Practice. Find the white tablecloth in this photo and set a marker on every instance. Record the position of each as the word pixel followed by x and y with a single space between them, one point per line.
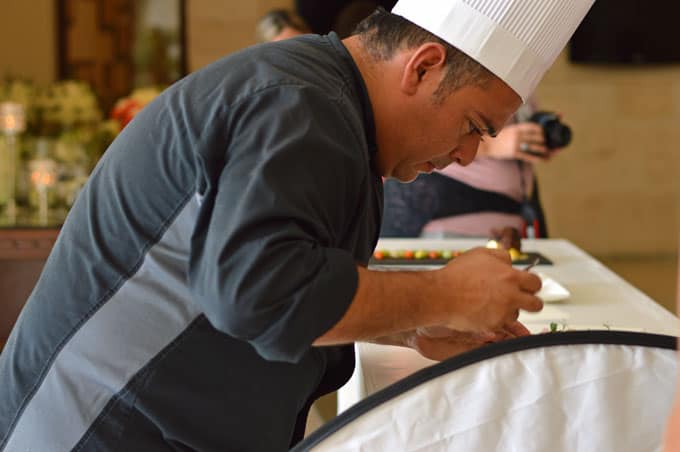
pixel 598 297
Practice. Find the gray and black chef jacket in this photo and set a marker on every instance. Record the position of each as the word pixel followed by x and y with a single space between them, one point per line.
pixel 216 239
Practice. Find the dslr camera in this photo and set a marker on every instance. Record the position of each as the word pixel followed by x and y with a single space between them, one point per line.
pixel 557 134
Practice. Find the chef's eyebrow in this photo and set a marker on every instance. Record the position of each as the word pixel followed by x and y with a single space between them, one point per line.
pixel 489 129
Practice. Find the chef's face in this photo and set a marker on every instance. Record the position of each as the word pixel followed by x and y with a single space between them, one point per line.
pixel 449 130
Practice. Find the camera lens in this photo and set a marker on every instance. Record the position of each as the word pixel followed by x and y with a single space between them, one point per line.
pixel 557 134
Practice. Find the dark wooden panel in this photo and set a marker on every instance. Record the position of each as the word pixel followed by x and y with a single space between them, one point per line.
pixel 96 35
pixel 22 257
pixel 17 279
pixel 107 44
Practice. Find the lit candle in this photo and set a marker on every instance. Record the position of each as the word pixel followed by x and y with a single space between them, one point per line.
pixel 43 175
pixel 12 123
pixel 12 118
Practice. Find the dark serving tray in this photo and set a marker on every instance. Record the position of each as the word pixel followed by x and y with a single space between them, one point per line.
pixel 529 259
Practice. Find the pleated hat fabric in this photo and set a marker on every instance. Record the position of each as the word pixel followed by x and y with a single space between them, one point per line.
pixel 517 40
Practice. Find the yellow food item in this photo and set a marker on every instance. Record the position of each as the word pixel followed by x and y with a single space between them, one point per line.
pixel 517 255
pixel 420 254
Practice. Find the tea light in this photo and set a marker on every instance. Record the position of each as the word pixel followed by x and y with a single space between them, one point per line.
pixel 43 175
pixel 12 118
pixel 12 123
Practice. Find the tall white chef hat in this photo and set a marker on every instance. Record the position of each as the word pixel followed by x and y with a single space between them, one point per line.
pixel 517 40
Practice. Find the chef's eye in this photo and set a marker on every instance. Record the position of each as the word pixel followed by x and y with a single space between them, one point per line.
pixel 474 129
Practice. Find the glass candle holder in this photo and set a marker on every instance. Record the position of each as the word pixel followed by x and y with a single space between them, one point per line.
pixel 43 175
pixel 12 124
pixel 12 118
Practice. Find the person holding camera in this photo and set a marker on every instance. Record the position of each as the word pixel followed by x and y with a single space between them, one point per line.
pixel 497 190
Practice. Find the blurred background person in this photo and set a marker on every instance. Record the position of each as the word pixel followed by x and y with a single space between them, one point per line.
pixel 340 16
pixel 280 24
pixel 496 191
pixel 351 14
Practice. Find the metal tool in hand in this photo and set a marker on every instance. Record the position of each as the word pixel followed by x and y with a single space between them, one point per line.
pixel 531 265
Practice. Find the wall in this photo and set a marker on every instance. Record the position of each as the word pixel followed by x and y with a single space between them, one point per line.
pixel 616 190
pixel 28 40
pixel 218 27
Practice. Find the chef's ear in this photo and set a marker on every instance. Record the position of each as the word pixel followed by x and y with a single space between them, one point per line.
pixel 425 64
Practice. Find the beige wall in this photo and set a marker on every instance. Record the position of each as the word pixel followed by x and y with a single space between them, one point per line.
pixel 218 27
pixel 28 35
pixel 28 40
pixel 616 190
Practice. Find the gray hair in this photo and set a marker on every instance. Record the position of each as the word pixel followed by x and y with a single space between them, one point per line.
pixel 383 33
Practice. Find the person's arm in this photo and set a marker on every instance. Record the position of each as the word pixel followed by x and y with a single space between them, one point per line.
pixel 440 343
pixel 267 264
pixel 522 141
pixel 479 291
pixel 271 263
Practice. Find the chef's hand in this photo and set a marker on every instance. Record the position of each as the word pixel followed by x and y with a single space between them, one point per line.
pixel 480 291
pixel 440 343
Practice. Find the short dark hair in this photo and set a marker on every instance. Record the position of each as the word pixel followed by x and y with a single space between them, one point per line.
pixel 351 15
pixel 383 33
pixel 272 23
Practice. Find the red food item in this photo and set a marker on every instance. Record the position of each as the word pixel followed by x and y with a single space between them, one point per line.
pixel 409 254
pixel 434 254
pixel 379 255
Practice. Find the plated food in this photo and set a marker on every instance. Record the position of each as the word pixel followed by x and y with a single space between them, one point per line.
pixel 420 254
pixel 509 239
pixel 437 255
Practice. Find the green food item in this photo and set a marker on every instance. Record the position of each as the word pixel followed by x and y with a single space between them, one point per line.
pixel 553 327
pixel 447 254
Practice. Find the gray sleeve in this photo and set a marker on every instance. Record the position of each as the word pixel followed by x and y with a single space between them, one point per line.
pixel 266 265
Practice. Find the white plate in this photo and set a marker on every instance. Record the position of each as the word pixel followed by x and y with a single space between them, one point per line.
pixel 551 291
pixel 545 316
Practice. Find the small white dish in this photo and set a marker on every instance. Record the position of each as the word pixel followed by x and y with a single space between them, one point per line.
pixel 552 291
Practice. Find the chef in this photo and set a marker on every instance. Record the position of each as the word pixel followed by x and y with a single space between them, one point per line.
pixel 211 277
